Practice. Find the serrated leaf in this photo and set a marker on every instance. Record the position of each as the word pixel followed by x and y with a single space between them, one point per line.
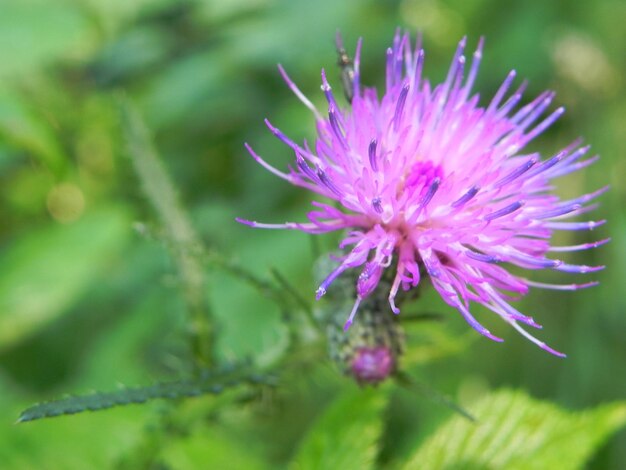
pixel 210 383
pixel 515 431
pixel 346 436
pixel 84 442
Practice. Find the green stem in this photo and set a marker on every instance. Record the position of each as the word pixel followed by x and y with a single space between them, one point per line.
pixel 408 382
pixel 303 304
pixel 214 259
pixel 185 245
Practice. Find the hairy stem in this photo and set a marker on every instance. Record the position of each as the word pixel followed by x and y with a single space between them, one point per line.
pixel 184 243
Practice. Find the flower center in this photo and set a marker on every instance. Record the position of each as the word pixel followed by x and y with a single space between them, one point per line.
pixel 419 179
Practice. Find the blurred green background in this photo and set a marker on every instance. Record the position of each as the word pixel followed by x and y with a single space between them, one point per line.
pixel 90 297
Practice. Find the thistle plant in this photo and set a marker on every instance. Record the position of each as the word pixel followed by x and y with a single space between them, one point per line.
pixel 427 185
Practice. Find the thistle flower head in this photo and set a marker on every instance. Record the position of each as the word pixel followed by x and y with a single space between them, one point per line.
pixel 427 181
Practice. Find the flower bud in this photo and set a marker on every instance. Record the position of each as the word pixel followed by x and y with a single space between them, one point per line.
pixel 370 349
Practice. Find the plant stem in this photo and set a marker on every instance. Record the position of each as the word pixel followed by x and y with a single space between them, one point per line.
pixel 185 246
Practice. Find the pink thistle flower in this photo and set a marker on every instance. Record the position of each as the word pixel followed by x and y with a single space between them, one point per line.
pixel 430 182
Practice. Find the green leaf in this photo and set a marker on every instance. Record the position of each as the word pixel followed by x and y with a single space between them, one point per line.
pixel 85 441
pixel 515 431
pixel 346 436
pixel 210 382
pixel 26 128
pixel 209 446
pixel 38 32
pixel 45 273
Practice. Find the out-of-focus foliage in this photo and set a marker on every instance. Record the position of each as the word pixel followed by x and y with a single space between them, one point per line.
pixel 346 435
pixel 91 293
